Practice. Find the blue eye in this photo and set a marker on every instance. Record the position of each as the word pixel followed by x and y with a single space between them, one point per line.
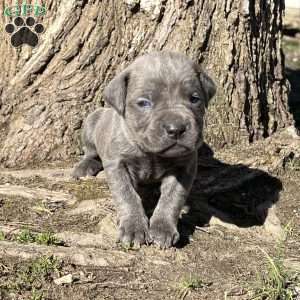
pixel 144 103
pixel 195 98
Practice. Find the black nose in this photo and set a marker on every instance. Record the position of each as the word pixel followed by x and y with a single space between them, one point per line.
pixel 175 130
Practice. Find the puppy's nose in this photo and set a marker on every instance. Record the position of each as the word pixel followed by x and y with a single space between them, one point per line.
pixel 175 130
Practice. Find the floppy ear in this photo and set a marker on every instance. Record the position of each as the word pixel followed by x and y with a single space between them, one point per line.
pixel 207 84
pixel 116 91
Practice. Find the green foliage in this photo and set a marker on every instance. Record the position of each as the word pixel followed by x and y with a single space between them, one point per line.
pixel 44 238
pixel 2 236
pixel 36 295
pixel 277 282
pixel 192 283
pixel 33 276
pixel 47 238
pixel 291 45
pixel 189 284
pixel 25 236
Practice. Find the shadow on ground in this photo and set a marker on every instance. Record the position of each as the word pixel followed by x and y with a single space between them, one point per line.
pixel 290 31
pixel 235 194
pixel 293 76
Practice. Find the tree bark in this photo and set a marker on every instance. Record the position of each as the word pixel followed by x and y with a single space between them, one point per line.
pixel 47 91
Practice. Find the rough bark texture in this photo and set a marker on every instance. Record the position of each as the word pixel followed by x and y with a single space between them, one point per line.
pixel 47 92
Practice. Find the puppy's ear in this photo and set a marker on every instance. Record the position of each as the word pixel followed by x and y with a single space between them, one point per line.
pixel 116 91
pixel 207 84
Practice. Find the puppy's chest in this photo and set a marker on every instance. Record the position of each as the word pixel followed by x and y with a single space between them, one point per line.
pixel 148 170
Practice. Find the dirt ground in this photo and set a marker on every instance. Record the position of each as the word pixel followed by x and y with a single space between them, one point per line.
pixel 57 236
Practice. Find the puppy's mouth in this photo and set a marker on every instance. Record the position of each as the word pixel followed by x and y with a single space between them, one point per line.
pixel 175 149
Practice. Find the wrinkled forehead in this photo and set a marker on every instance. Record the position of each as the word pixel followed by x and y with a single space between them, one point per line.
pixel 162 73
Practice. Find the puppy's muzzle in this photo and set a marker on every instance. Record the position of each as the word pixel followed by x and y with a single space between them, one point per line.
pixel 175 127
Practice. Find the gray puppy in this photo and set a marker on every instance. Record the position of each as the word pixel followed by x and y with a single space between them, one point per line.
pixel 151 134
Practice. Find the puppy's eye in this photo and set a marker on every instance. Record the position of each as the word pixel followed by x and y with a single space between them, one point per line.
pixel 195 98
pixel 144 103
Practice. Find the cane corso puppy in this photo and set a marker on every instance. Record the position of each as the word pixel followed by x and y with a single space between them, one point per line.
pixel 150 133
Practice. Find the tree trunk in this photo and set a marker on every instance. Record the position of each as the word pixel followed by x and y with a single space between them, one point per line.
pixel 47 91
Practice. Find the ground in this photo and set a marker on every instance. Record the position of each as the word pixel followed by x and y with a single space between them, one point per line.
pixel 58 235
pixel 291 44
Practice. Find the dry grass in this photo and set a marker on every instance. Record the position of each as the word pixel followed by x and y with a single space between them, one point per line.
pixel 276 282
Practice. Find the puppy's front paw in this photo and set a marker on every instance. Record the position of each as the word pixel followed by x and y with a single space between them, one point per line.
pixel 163 232
pixel 78 172
pixel 87 167
pixel 133 230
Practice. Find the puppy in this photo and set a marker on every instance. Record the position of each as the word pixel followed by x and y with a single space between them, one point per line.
pixel 150 134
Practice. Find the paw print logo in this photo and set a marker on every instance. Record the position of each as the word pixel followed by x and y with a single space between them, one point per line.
pixel 24 31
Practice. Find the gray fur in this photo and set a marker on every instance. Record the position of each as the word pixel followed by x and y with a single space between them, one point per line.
pixel 138 145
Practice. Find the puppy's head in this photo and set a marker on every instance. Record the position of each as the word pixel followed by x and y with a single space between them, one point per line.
pixel 162 97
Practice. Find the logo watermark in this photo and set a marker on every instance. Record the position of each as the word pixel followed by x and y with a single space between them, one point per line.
pixel 25 9
pixel 24 29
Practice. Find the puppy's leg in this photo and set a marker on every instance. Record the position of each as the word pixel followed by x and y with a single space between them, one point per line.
pixel 133 222
pixel 91 163
pixel 175 189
